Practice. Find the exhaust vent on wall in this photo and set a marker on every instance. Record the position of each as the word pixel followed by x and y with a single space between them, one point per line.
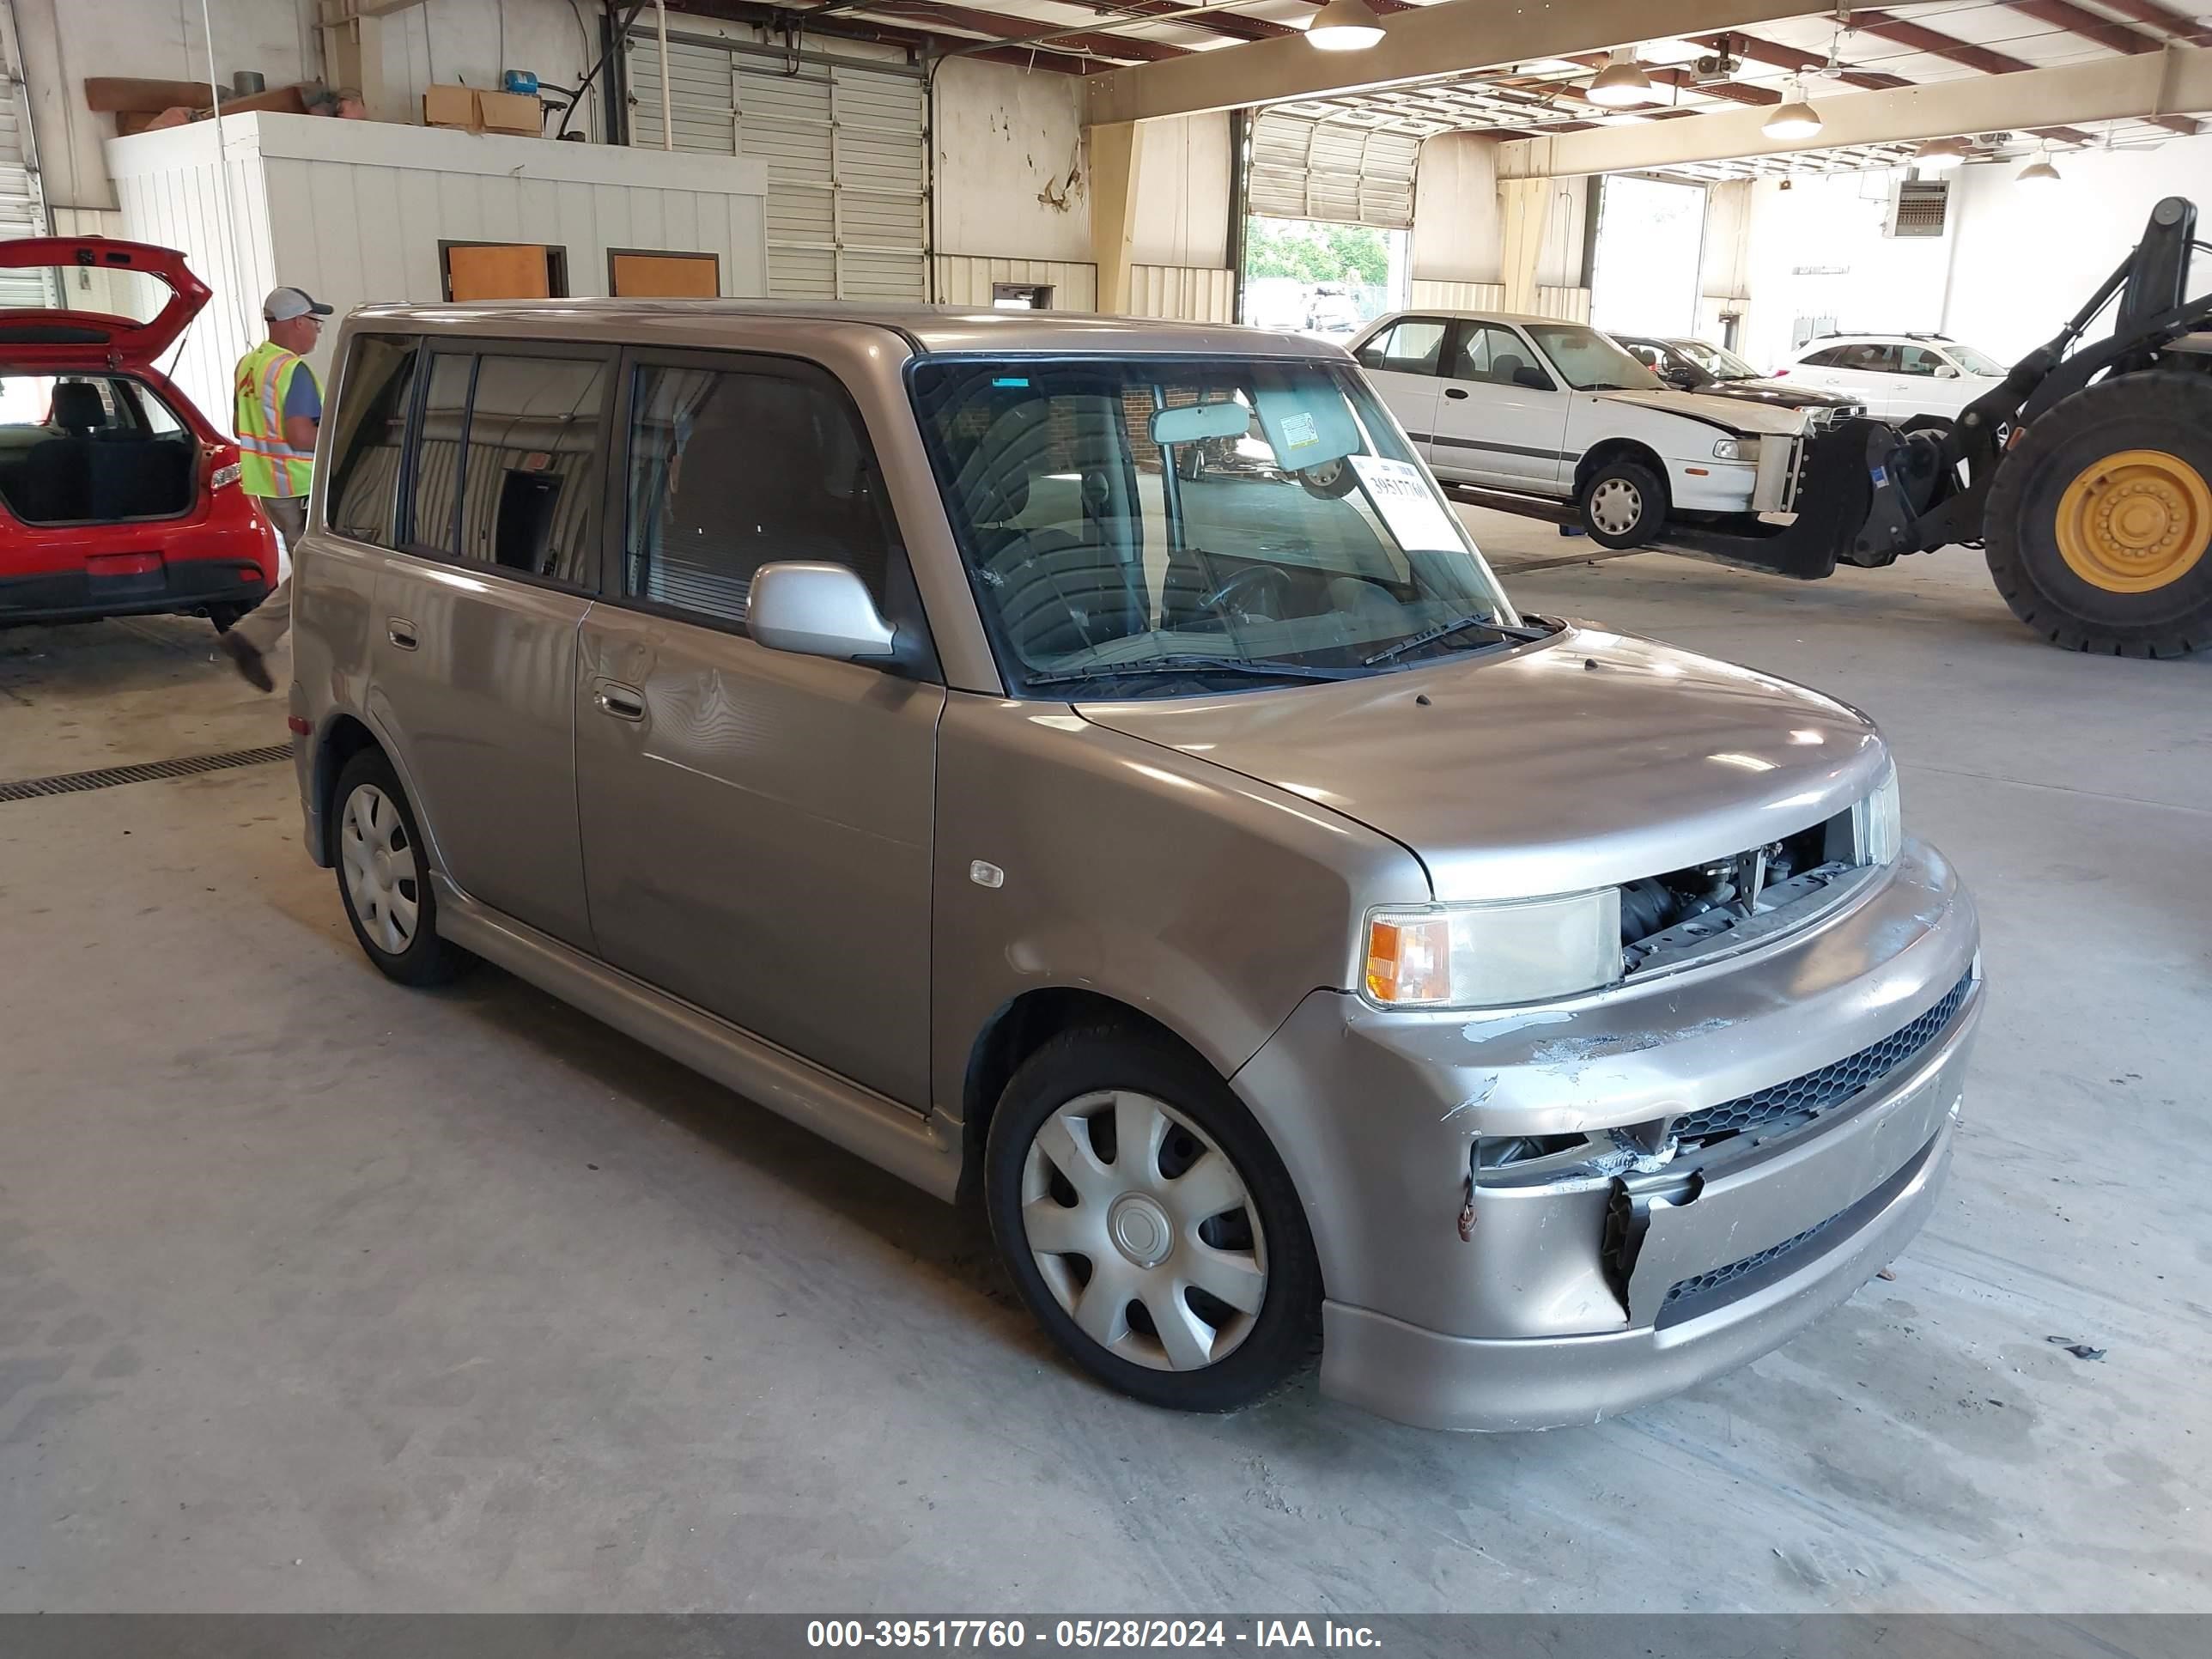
pixel 1919 207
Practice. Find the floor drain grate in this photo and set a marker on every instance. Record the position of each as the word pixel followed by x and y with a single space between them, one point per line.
pixel 71 783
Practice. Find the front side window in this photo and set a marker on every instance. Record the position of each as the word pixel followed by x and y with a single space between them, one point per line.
pixel 1919 359
pixel 1588 361
pixel 1977 362
pixel 370 433
pixel 1411 345
pixel 1173 526
pixel 1717 361
pixel 734 469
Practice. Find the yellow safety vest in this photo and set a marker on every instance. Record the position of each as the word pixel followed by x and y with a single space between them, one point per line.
pixel 268 465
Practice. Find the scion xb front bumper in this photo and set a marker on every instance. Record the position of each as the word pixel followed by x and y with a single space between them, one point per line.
pixel 1476 1298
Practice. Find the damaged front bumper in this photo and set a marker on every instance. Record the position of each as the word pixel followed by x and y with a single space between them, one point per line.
pixel 1762 1134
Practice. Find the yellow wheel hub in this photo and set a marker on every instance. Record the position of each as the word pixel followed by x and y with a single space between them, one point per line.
pixel 2135 522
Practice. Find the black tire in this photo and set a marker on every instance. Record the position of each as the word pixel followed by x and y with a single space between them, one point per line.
pixel 422 958
pixel 1650 500
pixel 1283 1334
pixel 1330 480
pixel 2166 411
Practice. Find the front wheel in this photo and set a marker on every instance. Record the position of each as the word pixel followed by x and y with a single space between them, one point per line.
pixel 1149 1223
pixel 383 877
pixel 2099 520
pixel 1623 504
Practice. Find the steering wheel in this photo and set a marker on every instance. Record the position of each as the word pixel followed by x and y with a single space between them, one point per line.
pixel 1253 575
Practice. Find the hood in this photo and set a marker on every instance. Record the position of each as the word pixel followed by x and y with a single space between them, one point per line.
pixel 1781 393
pixel 44 339
pixel 1730 414
pixel 1532 772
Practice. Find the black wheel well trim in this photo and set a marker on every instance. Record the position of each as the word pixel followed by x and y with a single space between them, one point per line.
pixel 1607 449
pixel 1017 1029
pixel 343 736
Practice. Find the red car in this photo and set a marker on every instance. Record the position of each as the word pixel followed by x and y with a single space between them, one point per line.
pixel 117 496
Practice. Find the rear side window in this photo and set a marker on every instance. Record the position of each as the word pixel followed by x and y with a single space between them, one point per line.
pixel 535 429
pixel 734 469
pixel 1872 359
pixel 1831 358
pixel 371 429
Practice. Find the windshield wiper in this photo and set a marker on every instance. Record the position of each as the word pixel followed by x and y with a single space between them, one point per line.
pixel 1276 670
pixel 1502 629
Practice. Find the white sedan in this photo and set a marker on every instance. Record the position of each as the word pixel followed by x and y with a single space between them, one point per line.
pixel 1553 409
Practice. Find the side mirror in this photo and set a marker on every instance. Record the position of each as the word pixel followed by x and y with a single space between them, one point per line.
pixel 1945 372
pixel 1531 377
pixel 815 610
pixel 1682 377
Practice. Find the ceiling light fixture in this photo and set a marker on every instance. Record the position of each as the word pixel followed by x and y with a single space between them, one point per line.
pixel 1344 26
pixel 1793 117
pixel 1621 82
pixel 1940 154
pixel 2039 171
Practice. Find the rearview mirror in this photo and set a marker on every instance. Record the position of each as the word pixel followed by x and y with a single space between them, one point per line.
pixel 1531 377
pixel 1189 423
pixel 815 610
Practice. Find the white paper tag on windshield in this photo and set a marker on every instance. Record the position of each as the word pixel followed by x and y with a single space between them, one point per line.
pixel 1407 505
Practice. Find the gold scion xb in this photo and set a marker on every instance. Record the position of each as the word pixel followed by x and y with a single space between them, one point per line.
pixel 1084 767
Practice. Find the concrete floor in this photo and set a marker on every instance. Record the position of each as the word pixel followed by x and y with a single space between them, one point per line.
pixel 317 1293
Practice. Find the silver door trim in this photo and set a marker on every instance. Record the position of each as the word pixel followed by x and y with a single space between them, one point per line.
pixel 923 1148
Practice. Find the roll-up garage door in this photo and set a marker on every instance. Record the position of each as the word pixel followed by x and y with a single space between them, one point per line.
pixel 1332 171
pixel 22 211
pixel 846 144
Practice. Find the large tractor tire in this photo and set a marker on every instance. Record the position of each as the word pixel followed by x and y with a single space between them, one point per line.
pixel 2099 528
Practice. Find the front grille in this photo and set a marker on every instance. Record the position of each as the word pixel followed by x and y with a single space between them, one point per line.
pixel 1714 1279
pixel 1815 1091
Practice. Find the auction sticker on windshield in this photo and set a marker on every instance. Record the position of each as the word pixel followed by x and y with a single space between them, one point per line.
pixel 1407 505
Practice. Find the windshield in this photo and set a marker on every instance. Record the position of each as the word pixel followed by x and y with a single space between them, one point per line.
pixel 1588 361
pixel 1162 527
pixel 1717 361
pixel 1976 362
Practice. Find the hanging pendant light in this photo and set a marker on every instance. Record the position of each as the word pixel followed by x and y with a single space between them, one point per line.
pixel 1940 154
pixel 1793 117
pixel 1344 25
pixel 2039 171
pixel 1621 82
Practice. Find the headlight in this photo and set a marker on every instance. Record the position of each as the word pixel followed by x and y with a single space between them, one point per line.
pixel 1878 821
pixel 224 476
pixel 1736 449
pixel 1488 956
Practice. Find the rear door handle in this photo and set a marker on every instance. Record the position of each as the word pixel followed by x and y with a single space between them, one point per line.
pixel 401 632
pixel 624 702
pixel 1454 392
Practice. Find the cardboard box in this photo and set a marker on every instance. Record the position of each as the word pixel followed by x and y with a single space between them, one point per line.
pixel 511 111
pixel 449 106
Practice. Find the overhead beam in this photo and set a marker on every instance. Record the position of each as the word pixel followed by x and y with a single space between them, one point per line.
pixel 2067 94
pixel 2065 15
pixel 1420 44
pixel 2189 31
pixel 1795 57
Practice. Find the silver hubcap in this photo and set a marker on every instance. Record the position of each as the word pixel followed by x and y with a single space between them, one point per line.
pixel 381 876
pixel 1143 1230
pixel 1615 506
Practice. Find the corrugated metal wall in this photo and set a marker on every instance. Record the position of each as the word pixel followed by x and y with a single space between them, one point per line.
pixel 1196 294
pixel 1302 169
pixel 964 280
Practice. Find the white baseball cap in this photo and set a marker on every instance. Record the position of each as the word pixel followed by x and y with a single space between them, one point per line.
pixel 283 304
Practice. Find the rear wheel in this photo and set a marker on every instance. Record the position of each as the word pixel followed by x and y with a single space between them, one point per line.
pixel 1624 503
pixel 2099 528
pixel 384 877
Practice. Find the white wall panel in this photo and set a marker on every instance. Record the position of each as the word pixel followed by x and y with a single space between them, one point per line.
pixel 1191 294
pixel 1431 296
pixel 354 211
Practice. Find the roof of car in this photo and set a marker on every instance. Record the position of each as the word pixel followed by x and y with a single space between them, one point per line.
pixel 1461 315
pixel 1876 336
pixel 927 329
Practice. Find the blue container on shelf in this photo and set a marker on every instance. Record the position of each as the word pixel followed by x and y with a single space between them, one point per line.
pixel 522 82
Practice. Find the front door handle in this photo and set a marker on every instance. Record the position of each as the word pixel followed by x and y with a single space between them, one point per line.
pixel 1459 392
pixel 401 632
pixel 624 702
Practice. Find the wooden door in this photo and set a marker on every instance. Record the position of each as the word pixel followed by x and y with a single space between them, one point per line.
pixel 665 275
pixel 516 271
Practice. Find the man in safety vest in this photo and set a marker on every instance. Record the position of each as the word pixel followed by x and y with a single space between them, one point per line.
pixel 279 407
